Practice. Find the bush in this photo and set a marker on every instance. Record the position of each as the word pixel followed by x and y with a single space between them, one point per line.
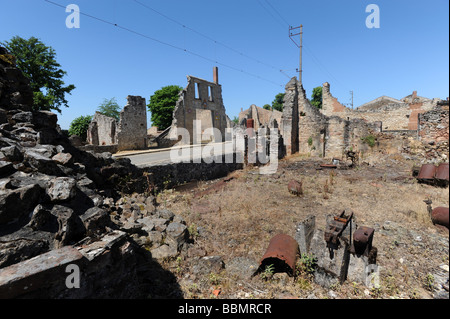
pixel 79 126
pixel 369 140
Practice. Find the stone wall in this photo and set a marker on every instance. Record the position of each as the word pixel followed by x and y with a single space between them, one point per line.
pixel 306 130
pixel 434 125
pixel 132 130
pixel 392 113
pixel 102 130
pixel 200 100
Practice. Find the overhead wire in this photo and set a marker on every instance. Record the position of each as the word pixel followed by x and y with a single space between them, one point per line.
pixel 206 36
pixel 166 43
pixel 308 51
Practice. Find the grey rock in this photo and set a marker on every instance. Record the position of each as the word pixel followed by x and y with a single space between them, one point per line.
pixel 62 189
pixel 19 202
pixel 207 265
pixel 163 252
pixel 63 158
pixel 177 234
pixel 95 220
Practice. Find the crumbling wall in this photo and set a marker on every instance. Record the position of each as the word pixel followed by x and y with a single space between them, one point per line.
pixel 434 125
pixel 132 130
pixel 392 113
pixel 261 117
pixel 289 121
pixel 200 95
pixel 306 130
pixel 102 130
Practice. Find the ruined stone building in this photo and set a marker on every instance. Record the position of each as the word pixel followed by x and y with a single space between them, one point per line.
pixel 130 133
pixel 260 116
pixel 201 100
pixel 336 129
pixel 395 115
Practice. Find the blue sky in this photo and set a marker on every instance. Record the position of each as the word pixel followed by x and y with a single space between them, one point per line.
pixel 249 41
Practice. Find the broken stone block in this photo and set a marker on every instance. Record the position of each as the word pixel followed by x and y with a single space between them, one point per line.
pixel 36 272
pixel 305 233
pixel 164 251
pixel 62 189
pixel 19 202
pixel 95 220
pixel 12 154
pixel 176 235
pixel 62 158
pixel 70 226
pixel 332 262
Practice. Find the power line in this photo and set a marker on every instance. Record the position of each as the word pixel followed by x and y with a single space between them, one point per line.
pixel 166 44
pixel 276 11
pixel 205 36
pixel 315 59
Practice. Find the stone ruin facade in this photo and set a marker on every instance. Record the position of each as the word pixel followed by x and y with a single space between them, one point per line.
pixel 303 128
pixel 394 115
pixel 130 133
pixel 335 129
pixel 201 100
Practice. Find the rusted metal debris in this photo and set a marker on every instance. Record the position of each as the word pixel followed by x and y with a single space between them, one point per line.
pixel 427 172
pixel 282 253
pixel 431 174
pixel 295 187
pixel 336 227
pixel 442 173
pixel 440 216
pixel 362 240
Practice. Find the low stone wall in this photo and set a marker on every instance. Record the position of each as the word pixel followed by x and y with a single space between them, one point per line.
pixel 170 175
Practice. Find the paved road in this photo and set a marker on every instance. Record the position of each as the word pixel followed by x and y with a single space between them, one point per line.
pixel 167 156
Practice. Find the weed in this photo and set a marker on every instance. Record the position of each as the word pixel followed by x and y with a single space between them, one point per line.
pixel 429 282
pixel 268 272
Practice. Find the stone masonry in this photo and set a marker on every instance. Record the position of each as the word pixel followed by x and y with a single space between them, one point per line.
pixel 200 100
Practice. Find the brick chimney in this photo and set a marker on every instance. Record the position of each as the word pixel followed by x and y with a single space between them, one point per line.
pixel 216 74
pixel 414 95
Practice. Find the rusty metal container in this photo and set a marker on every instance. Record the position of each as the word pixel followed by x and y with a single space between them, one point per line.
pixel 295 187
pixel 362 240
pixel 442 173
pixel 440 215
pixel 282 254
pixel 427 173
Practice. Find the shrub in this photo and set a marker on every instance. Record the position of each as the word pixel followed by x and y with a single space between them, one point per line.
pixel 79 126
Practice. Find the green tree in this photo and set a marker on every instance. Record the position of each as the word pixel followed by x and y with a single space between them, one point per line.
pixel 277 104
pixel 267 107
pixel 37 62
pixel 79 126
pixel 316 98
pixel 162 104
pixel 110 108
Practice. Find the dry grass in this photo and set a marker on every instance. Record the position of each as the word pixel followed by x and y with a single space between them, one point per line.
pixel 241 216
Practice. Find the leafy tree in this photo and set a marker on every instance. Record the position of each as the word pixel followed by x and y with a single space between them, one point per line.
pixel 277 104
pixel 236 120
pixel 267 107
pixel 37 62
pixel 79 126
pixel 162 104
pixel 316 98
pixel 110 108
